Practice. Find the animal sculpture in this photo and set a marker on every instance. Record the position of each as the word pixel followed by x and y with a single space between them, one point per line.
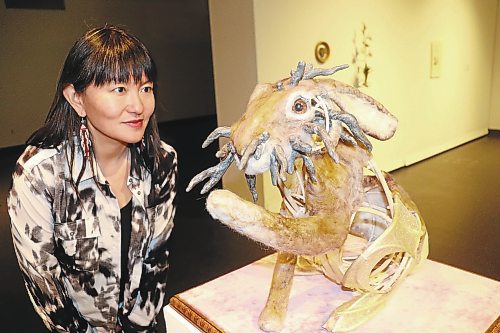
pixel 340 214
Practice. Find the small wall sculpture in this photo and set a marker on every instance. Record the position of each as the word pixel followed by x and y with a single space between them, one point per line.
pixel 340 214
pixel 361 56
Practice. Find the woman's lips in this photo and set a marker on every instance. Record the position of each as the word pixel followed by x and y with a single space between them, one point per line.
pixel 134 123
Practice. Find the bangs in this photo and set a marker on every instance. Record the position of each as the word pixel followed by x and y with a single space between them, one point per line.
pixel 117 58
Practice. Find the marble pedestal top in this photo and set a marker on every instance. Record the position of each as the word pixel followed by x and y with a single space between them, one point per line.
pixel 436 298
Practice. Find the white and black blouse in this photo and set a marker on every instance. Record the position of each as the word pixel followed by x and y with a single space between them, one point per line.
pixel 69 245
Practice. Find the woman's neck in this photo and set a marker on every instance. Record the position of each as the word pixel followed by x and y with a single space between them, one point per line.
pixel 115 166
pixel 111 158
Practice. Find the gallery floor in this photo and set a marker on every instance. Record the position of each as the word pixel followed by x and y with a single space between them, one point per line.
pixel 457 193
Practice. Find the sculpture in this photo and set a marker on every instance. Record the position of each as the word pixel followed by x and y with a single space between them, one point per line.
pixel 361 230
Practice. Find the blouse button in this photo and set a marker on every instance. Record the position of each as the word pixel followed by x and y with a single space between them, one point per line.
pixel 139 192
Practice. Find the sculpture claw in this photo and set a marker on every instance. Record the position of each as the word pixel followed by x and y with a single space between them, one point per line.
pixel 223 131
pixel 215 173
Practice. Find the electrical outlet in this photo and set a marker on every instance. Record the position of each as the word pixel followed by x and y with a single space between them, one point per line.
pixel 436 60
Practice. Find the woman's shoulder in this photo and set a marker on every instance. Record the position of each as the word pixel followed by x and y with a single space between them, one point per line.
pixel 167 149
pixel 38 161
pixel 168 154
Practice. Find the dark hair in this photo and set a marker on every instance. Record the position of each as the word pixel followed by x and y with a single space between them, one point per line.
pixel 102 55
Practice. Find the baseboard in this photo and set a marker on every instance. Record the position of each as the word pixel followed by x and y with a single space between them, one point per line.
pixel 12 149
pixel 435 150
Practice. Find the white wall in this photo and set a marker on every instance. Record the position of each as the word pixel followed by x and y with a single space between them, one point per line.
pixel 495 82
pixel 235 72
pixel 34 43
pixel 435 114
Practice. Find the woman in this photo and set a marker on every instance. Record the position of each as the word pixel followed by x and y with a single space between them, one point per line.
pixel 91 204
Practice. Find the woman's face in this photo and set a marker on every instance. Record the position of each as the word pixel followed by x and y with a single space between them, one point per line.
pixel 118 112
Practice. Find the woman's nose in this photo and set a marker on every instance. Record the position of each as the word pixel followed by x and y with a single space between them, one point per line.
pixel 136 104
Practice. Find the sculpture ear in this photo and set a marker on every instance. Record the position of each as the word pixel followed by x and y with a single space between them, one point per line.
pixel 259 90
pixel 373 118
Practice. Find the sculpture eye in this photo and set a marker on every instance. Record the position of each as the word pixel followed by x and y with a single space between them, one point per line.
pixel 299 106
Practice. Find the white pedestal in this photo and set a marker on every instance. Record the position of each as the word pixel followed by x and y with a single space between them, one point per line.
pixel 436 298
pixel 176 323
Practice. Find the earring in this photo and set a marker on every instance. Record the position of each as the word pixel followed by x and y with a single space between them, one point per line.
pixel 84 138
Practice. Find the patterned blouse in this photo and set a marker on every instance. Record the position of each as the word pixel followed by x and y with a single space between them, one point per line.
pixel 68 246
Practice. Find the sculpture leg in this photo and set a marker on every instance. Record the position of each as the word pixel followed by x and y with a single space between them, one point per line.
pixel 272 317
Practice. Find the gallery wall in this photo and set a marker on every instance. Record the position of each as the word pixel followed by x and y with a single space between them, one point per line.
pixel 435 114
pixel 235 75
pixel 34 43
pixel 495 82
